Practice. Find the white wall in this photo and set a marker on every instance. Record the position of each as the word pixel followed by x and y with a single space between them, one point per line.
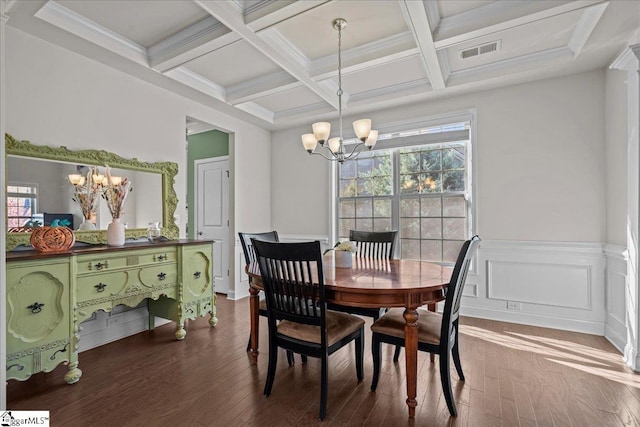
pixel 57 97
pixel 540 197
pixel 540 151
pixel 616 156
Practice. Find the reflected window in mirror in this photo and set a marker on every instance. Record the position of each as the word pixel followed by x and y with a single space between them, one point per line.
pixel 22 207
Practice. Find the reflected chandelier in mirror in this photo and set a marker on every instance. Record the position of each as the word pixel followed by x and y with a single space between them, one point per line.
pixel 166 170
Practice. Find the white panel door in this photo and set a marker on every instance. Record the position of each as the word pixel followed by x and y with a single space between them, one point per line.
pixel 211 187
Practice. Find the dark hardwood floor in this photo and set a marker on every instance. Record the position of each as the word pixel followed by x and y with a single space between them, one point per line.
pixel 516 375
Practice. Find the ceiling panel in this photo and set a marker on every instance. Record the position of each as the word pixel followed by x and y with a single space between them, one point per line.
pixel 448 8
pixel 289 99
pixel 385 75
pixel 143 22
pixel 537 36
pixel 233 64
pixel 313 34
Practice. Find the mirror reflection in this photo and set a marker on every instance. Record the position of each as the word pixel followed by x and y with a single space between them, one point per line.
pixel 43 192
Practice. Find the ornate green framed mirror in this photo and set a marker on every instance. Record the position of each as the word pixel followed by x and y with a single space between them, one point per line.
pixel 45 169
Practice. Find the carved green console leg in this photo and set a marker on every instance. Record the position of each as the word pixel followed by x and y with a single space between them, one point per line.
pixel 181 333
pixel 213 321
pixel 74 374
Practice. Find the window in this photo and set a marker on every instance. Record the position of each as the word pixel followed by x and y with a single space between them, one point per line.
pixel 416 182
pixel 22 203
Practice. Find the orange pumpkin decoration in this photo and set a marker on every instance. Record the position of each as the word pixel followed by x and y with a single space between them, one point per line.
pixel 52 239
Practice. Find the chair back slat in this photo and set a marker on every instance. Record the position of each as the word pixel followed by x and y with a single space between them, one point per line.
pixel 456 285
pixel 247 246
pixel 293 281
pixel 374 244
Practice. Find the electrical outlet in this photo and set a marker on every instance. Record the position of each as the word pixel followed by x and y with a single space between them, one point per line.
pixel 513 305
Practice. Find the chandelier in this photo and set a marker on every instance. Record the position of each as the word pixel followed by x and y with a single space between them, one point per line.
pixel 335 150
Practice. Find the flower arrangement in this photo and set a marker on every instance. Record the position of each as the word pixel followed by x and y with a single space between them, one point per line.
pixel 345 246
pixel 115 191
pixel 86 195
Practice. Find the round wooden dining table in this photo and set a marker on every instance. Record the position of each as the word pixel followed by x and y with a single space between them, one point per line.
pixel 374 283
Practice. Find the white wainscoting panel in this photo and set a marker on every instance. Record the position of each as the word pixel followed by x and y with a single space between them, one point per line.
pixel 616 285
pixel 550 284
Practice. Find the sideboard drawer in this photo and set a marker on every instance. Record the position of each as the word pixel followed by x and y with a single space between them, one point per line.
pixel 100 264
pixel 101 285
pixel 159 276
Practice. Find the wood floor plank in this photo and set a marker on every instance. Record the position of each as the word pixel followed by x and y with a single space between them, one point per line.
pixel 515 375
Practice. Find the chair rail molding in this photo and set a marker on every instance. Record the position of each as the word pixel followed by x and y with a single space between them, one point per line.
pixel 550 284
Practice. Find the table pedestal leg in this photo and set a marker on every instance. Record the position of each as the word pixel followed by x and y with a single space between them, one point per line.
pixel 411 354
pixel 254 302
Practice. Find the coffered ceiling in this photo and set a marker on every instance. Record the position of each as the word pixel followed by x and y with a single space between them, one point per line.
pixel 274 62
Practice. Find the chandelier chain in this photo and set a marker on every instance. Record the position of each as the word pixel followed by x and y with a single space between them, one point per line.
pixel 340 78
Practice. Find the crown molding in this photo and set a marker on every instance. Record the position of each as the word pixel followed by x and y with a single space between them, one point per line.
pixel 58 15
pixel 585 27
pixel 258 111
pixel 196 81
pixel 628 59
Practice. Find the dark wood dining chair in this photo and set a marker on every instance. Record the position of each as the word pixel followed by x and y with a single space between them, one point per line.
pixel 375 245
pixel 299 321
pixel 250 257
pixel 437 333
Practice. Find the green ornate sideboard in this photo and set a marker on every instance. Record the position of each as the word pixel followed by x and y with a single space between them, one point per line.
pixel 49 295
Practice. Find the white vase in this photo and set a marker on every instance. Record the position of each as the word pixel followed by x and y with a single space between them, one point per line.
pixel 343 259
pixel 115 233
pixel 86 225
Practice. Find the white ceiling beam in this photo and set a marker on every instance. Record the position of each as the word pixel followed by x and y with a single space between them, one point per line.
pixel 68 20
pixel 276 11
pixel 209 34
pixel 262 86
pixel 585 27
pixel 192 42
pixel 500 16
pixel 197 82
pixel 416 16
pixel 233 19
pixel 258 111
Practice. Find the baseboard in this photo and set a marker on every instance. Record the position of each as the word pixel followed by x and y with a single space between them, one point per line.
pixel 544 321
pixel 618 341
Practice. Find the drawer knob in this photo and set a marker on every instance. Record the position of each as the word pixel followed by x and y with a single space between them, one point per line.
pixel 101 265
pixel 162 276
pixel 197 274
pixel 100 286
pixel 36 307
pixel 160 257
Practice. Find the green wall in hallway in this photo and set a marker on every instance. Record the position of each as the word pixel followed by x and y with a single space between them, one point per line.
pixel 203 145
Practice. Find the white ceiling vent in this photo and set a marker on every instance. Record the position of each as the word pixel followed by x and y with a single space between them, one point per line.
pixel 480 49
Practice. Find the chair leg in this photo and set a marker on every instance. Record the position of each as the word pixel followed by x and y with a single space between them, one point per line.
pixel 249 343
pixel 271 370
pixel 456 361
pixel 396 354
pixel 360 355
pixel 290 359
pixel 456 355
pixel 445 379
pixel 324 376
pixel 377 355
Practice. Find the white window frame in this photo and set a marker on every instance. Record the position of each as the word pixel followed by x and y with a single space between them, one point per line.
pixel 384 129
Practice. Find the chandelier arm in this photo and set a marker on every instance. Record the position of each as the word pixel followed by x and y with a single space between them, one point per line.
pixel 320 153
pixel 357 148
